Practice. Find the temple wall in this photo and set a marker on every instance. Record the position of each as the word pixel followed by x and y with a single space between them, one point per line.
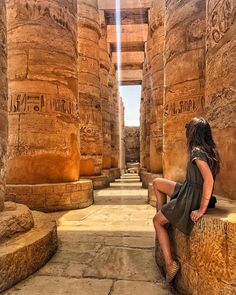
pixel 132 144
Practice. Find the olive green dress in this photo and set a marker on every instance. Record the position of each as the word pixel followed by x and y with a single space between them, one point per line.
pixel 186 196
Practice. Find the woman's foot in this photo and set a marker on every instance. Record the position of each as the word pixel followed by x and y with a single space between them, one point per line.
pixel 172 271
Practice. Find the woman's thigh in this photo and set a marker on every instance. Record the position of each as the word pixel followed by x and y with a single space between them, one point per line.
pixel 165 186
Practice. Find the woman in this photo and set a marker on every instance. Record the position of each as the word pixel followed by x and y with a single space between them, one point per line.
pixel 190 200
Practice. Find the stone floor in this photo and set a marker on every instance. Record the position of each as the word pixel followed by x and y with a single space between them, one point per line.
pixel 106 249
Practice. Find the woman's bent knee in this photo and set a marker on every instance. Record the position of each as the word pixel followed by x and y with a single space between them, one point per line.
pixel 156 182
pixel 159 219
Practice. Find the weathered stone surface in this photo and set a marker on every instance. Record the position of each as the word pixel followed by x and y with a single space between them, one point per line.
pixel 139 288
pixel 105 65
pixel 14 219
pixel 115 120
pixel 155 51
pixel 122 138
pixel 52 197
pixel 43 285
pixel 221 88
pixel 145 117
pixel 3 102
pixel 184 79
pixel 148 177
pixel 99 182
pixel 90 103
pixel 151 195
pixel 132 144
pixel 43 108
pixel 208 255
pixel 26 253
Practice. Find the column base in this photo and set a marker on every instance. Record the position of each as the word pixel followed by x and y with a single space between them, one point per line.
pixel 26 244
pixel 98 182
pixel 207 255
pixel 52 197
pixel 148 177
pixel 151 195
pixel 112 174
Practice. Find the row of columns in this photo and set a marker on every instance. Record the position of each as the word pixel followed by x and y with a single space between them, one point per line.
pixel 189 61
pixel 62 92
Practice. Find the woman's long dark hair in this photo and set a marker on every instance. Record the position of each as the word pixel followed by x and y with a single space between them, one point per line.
pixel 198 132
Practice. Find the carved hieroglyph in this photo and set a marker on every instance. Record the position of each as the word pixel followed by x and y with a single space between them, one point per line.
pixel 132 144
pixel 91 136
pixel 43 109
pixel 184 79
pixel 105 65
pixel 3 101
pixel 155 58
pixel 221 88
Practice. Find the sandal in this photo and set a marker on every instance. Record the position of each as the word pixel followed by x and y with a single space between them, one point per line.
pixel 170 276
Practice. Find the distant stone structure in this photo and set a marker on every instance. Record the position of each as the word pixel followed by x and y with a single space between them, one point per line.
pixel 62 131
pixel 132 144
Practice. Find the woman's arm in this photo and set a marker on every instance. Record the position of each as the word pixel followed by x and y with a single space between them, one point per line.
pixel 208 183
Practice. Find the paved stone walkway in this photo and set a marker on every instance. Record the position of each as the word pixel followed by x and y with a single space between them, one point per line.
pixel 106 249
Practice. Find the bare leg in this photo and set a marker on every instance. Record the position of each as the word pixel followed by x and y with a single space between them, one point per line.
pixel 159 221
pixel 162 188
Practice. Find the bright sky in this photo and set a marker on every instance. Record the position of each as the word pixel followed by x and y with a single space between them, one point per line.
pixel 131 97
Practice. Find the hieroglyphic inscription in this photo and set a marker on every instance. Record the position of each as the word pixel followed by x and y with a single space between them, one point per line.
pixel 61 16
pixel 41 103
pixel 178 107
pixel 220 20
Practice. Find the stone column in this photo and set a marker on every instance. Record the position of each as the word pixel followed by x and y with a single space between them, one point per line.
pixel 3 102
pixel 157 85
pixel 91 135
pixel 221 88
pixel 184 79
pixel 122 136
pixel 105 65
pixel 146 95
pixel 43 107
pixel 115 122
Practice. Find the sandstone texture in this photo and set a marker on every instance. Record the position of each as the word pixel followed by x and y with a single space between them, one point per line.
pixel 105 66
pixel 3 102
pixel 184 75
pixel 43 88
pixel 14 219
pixel 155 52
pixel 132 144
pixel 90 104
pixel 208 255
pixel 53 197
pixel 26 253
pixel 220 101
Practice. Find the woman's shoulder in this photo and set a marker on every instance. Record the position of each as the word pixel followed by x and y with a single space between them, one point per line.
pixel 198 153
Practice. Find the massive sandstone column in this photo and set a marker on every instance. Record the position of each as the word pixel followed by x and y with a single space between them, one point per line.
pixel 114 121
pixel 146 88
pixel 105 65
pixel 157 85
pixel 91 135
pixel 184 79
pixel 3 102
pixel 43 108
pixel 221 88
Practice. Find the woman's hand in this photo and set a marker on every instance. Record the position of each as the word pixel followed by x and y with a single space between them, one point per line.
pixel 196 215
